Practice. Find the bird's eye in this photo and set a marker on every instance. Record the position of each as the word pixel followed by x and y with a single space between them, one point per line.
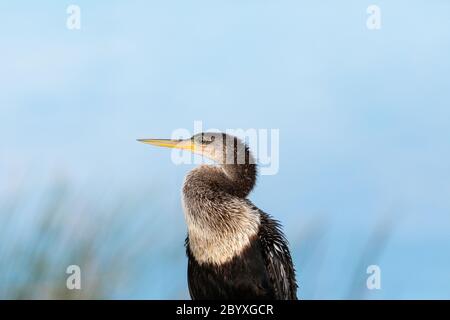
pixel 207 139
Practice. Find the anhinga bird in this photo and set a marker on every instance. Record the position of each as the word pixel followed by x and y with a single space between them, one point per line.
pixel 235 250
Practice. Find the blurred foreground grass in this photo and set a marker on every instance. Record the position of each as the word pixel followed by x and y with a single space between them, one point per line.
pixel 115 238
pixel 41 236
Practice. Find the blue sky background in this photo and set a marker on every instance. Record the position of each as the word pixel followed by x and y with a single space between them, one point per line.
pixel 363 115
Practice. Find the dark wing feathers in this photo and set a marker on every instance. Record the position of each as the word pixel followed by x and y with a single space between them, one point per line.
pixel 263 271
pixel 244 277
pixel 278 258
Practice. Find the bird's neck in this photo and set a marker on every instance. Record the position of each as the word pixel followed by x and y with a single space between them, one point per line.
pixel 220 220
pixel 242 178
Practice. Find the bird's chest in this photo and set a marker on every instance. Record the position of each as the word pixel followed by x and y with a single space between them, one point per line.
pixel 220 225
pixel 218 239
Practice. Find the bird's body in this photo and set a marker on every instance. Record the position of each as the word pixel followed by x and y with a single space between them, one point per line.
pixel 262 270
pixel 235 250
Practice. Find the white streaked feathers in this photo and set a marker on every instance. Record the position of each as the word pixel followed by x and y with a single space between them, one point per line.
pixel 224 233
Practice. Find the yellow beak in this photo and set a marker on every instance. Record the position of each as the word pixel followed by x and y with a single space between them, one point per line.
pixel 168 143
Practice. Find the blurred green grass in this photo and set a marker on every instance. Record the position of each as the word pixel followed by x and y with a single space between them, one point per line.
pixel 114 237
pixel 40 239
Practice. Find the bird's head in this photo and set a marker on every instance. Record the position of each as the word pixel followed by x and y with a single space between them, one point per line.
pixel 219 147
